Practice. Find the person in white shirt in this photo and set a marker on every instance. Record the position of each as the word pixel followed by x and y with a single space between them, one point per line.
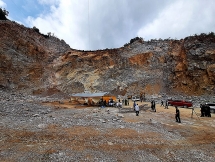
pixel 137 109
pixel 117 105
pixel 120 104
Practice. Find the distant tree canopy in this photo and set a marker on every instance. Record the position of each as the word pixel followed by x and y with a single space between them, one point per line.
pixel 204 34
pixel 211 34
pixel 133 40
pixel 3 14
pixel 36 29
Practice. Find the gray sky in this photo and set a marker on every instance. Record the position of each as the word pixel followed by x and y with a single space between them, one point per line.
pixel 100 24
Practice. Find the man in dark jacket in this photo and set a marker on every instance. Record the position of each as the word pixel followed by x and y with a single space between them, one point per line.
pixel 177 115
pixel 134 105
pixel 207 111
pixel 162 103
pixel 154 106
pixel 202 110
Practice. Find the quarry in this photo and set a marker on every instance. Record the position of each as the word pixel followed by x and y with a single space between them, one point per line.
pixel 38 122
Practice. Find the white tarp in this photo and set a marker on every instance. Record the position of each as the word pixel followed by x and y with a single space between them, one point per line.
pixel 98 94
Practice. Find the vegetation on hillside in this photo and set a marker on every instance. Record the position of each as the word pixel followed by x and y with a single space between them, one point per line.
pixel 3 14
pixel 133 40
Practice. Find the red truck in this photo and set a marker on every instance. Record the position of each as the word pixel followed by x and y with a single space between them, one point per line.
pixel 180 103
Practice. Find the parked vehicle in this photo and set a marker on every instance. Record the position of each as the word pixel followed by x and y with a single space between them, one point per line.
pixel 170 102
pixel 180 103
pixel 135 98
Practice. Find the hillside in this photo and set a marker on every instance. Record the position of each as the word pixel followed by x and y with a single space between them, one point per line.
pixel 34 63
pixel 39 122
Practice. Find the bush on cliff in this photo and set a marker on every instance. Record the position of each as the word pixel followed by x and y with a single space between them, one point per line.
pixel 3 14
pixel 135 39
pixel 38 31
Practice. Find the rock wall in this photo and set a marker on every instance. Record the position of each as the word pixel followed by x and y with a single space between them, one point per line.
pixel 25 56
pixel 34 63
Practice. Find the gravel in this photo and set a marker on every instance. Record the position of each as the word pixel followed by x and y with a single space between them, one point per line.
pixel 32 131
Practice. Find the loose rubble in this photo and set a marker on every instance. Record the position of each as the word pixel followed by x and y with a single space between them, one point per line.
pixel 32 131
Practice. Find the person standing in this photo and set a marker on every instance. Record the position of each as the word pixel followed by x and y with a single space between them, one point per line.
pixel 137 109
pixel 117 105
pixel 154 106
pixel 141 97
pixel 102 104
pixel 202 110
pixel 162 103
pixel 111 102
pixel 125 102
pixel 120 104
pixel 207 111
pixel 134 105
pixel 166 104
pixel 177 115
pixel 105 103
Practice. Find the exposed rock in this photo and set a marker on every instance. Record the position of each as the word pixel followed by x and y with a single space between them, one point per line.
pixel 110 143
pixel 35 115
pixel 120 115
pixel 42 126
pixel 33 63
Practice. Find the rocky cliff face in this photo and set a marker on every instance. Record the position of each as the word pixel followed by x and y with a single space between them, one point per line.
pixel 25 56
pixel 34 63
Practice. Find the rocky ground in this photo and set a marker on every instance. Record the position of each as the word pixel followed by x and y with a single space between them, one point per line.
pixel 39 129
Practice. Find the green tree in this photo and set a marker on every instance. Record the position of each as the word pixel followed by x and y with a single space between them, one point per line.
pixel 211 34
pixel 3 14
pixel 36 29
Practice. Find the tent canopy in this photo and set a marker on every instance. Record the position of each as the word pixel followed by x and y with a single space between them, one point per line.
pixel 98 94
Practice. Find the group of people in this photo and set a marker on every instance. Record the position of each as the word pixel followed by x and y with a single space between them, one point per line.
pixel 166 104
pixel 205 110
pixel 126 102
pixel 137 108
pixel 118 105
pixel 153 107
pixel 111 103
pixel 104 103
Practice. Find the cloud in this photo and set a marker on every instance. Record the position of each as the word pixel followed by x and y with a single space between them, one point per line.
pixel 49 2
pixel 2 4
pixel 181 19
pixel 96 24
pixel 65 22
